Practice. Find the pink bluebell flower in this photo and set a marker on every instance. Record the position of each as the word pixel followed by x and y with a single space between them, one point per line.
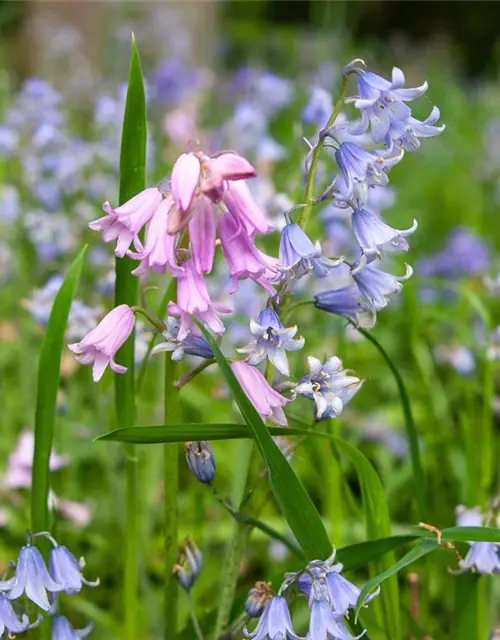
pixel 272 340
pixel 242 206
pixel 99 347
pixel 275 623
pixel 374 236
pixel 124 223
pixel 185 179
pixel 268 402
pixel 193 299
pixel 202 232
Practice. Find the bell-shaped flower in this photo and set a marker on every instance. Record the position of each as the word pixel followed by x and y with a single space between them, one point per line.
pixel 158 253
pixel 242 256
pixel 268 402
pixel 192 344
pixel 347 302
pixel 275 623
pixel 325 624
pixel 329 385
pixel 193 299
pixel 469 517
pixel 229 166
pixel 298 255
pixel 99 347
pixel 272 341
pixel 318 108
pixel 377 286
pixel 242 206
pixel 374 236
pixel 201 461
pixel 189 566
pixel 482 557
pixel 67 571
pixel 31 578
pixel 10 622
pixel 124 223
pixel 62 630
pixel 202 234
pixel 407 133
pixel 185 179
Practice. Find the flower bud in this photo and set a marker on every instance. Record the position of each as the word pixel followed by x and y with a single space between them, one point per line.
pixel 258 597
pixel 201 461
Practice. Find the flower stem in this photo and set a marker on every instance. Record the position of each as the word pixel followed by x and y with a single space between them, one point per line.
pixel 171 477
pixel 311 175
pixel 194 617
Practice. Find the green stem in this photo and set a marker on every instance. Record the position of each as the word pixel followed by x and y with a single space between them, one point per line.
pixel 236 547
pixel 171 490
pixel 306 211
pixel 487 439
pixel 194 617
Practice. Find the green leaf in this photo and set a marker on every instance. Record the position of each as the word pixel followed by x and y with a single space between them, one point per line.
pixel 49 365
pixel 360 554
pixel 177 433
pixel 411 429
pixel 466 609
pixel 419 551
pixel 293 500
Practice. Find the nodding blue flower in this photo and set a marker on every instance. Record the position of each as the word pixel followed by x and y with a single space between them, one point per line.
pixel 318 108
pixel 458 356
pixel 275 623
pixel 361 169
pixel 347 302
pixel 258 598
pixel 191 345
pixel 10 622
pixel 374 236
pixel 189 566
pixel 62 630
pixel 325 624
pixel 382 102
pixel 66 570
pixel 482 557
pixel 201 461
pixel 377 286
pixel 31 578
pixel 298 255
pixel 329 385
pixel 408 133
pixel 272 341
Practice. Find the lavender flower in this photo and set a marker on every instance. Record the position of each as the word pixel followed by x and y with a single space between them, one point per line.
pixel 10 622
pixel 408 133
pixel 482 557
pixel 324 624
pixel 272 341
pixel 189 566
pixel 377 286
pixel 268 402
pixel 31 578
pixel 100 346
pixel 347 302
pixel 298 255
pixel 375 236
pixel 201 461
pixel 192 344
pixel 62 630
pixel 66 570
pixel 275 623
pixel 330 387
pixel 318 108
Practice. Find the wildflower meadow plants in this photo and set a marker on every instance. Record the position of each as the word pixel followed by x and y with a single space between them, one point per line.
pixel 252 319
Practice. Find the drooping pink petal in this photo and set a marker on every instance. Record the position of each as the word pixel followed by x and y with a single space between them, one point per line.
pixel 185 178
pixel 268 402
pixel 241 204
pixel 230 166
pixel 202 235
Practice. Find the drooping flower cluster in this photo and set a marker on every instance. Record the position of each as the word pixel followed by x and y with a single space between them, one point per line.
pixel 330 597
pixel 41 586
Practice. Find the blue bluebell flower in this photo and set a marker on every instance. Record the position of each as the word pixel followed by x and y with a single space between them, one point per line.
pixel 201 461
pixel 325 624
pixel 66 570
pixel 329 385
pixel 31 578
pixel 482 557
pixel 10 204
pixel 318 108
pixel 377 286
pixel 62 630
pixel 258 598
pixel 275 623
pixel 374 236
pixel 189 566
pixel 407 133
pixel 347 302
pixel 10 622
pixel 191 345
pixel 298 255
pixel 272 341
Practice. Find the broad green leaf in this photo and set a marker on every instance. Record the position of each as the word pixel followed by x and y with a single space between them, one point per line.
pixel 411 429
pixel 419 551
pixel 49 365
pixel 177 433
pixel 293 500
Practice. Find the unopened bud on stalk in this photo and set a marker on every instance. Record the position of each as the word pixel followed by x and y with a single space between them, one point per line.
pixel 201 461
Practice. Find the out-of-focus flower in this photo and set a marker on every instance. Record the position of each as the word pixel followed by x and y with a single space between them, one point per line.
pixel 31 578
pixel 192 344
pixel 318 108
pixel 459 357
pixel 274 623
pixel 374 236
pixel 329 385
pixel 62 630
pixel 268 402
pixel 272 341
pixel 189 566
pixel 10 622
pixel 10 204
pixel 100 346
pixel 493 350
pixel 201 461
